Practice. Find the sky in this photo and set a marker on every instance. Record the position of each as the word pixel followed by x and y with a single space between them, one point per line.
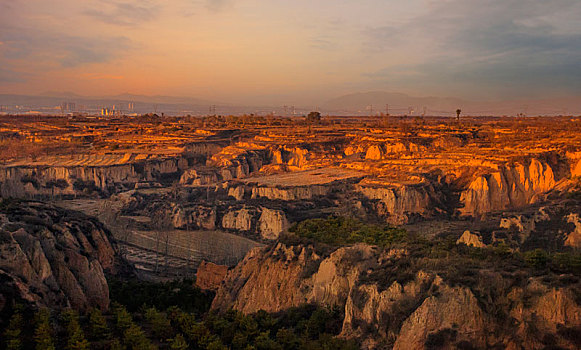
pixel 292 52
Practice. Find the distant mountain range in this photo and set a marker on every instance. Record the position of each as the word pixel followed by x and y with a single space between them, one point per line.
pixel 361 103
pixel 399 104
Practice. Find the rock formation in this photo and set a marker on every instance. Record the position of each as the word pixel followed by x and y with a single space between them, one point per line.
pixel 573 239
pixel 55 258
pixel 471 239
pixel 510 187
pixel 272 223
pixel 420 311
pixel 209 275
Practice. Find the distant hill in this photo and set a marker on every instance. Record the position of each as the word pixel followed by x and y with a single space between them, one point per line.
pixel 399 104
pixel 351 104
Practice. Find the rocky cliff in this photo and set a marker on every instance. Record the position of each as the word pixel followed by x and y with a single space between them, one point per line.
pixel 389 303
pixel 398 203
pixel 51 181
pixel 53 257
pixel 512 186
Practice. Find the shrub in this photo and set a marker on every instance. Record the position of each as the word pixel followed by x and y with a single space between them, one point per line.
pixel 537 258
pixel 345 231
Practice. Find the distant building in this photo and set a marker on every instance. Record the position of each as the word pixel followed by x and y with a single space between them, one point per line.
pixel 68 107
pixel 107 112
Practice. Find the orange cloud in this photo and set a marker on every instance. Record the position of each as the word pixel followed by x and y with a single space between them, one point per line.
pixel 93 76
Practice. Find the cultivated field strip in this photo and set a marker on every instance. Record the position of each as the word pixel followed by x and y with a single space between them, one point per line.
pixel 190 246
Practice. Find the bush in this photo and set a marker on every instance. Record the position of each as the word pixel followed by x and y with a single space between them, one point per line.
pixel 537 258
pixel 346 231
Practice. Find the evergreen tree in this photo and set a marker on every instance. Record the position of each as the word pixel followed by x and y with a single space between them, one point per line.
pixel 123 319
pixel 13 332
pixel 135 339
pixel 116 345
pixel 75 336
pixel 43 337
pixel 98 328
pixel 160 325
pixel 178 343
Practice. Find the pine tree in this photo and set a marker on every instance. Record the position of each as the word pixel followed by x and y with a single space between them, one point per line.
pixel 134 338
pixel 123 319
pixel 13 332
pixel 98 328
pixel 43 332
pixel 178 343
pixel 75 336
pixel 116 345
pixel 160 324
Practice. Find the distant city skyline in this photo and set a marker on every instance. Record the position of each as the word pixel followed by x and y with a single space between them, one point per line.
pixel 301 52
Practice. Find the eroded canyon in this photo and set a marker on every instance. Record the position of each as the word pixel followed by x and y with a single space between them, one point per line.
pixel 174 193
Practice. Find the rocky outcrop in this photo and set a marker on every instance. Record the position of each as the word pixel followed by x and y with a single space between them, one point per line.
pixel 575 162
pixel 510 187
pixel 296 158
pixel 385 307
pixel 381 151
pixel 338 274
pixel 42 181
pixel 198 178
pixel 270 279
pixel 237 192
pixel 54 257
pixel 196 217
pixel 236 163
pixel 210 275
pixel 471 239
pixel 573 239
pixel 240 220
pixel 453 310
pixel 375 152
pixel 286 276
pixel 397 203
pixel 290 193
pixel 272 223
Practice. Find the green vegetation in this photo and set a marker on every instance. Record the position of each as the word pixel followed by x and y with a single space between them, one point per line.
pixel 43 333
pixel 152 327
pixel 74 333
pixel 134 294
pixel 13 332
pixel 344 231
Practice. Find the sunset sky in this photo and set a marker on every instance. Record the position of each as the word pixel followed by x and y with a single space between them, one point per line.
pixel 259 51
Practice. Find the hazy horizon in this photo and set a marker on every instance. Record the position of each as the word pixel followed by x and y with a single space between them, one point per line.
pixel 301 53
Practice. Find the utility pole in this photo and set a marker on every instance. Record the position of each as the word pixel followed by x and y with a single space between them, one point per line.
pixel 212 110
